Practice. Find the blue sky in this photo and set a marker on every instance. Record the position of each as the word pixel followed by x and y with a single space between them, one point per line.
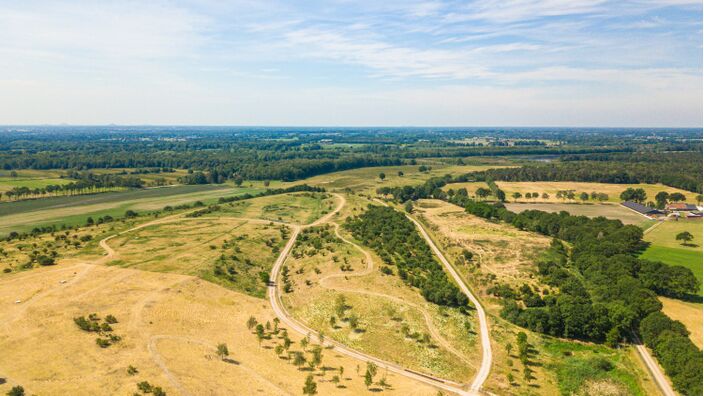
pixel 435 63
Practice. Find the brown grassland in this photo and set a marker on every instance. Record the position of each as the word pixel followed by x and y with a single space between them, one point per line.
pixel 551 188
pixel 169 324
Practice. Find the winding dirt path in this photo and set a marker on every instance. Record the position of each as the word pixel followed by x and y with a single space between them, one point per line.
pixel 280 311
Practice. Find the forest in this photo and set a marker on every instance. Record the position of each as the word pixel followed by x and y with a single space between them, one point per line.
pixel 604 291
pixel 395 239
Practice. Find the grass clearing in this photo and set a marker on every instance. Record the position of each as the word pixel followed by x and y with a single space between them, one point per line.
pixel 502 254
pixel 299 208
pixel 610 211
pixel 228 252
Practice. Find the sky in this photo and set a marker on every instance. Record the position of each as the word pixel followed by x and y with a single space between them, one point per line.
pixel 622 63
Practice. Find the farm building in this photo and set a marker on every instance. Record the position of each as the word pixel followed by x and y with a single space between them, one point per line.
pixel 680 207
pixel 642 209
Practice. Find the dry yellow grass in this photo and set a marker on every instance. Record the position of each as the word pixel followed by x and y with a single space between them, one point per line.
pixel 170 325
pixel 196 246
pixel 551 188
pixel 503 254
pixel 690 314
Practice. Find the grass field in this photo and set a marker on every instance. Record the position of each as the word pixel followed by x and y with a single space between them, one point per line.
pixel 24 215
pixel 551 188
pixel 688 313
pixel 298 208
pixel 664 247
pixel 366 180
pixel 30 178
pixel 225 251
pixel 610 211
pixel 169 324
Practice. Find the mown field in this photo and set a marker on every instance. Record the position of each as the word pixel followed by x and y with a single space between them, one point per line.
pixel 551 188
pixel 24 215
pixel 610 211
pixel 664 247
pixel 689 313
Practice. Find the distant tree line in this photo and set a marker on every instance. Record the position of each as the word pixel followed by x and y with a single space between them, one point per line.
pixel 679 169
pixel 395 239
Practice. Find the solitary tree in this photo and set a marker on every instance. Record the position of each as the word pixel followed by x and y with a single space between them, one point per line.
pixel 516 195
pixel 584 196
pixel 382 176
pixel 223 352
pixel 408 207
pixel 546 195
pixel 16 391
pixel 310 387
pixel 251 322
pixel 684 236
pixel 400 173
pixel 368 378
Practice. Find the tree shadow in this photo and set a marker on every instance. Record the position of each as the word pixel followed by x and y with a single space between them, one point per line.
pixel 231 361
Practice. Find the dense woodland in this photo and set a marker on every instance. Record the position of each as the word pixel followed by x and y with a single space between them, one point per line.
pixel 604 292
pixel 395 239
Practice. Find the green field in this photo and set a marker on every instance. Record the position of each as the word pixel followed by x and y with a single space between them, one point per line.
pixel 24 215
pixel 664 247
pixel 675 256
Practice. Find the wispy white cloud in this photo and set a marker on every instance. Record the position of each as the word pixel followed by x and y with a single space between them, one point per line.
pixel 427 60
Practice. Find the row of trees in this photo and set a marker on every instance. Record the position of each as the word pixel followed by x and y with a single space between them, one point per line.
pixel 395 239
pixel 676 169
pixel 85 183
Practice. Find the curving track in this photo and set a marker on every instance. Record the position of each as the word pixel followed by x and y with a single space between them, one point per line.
pixel 280 310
